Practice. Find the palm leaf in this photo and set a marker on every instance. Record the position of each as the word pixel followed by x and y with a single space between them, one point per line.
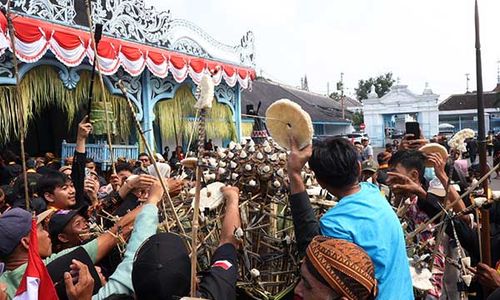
pixel 42 88
pixel 180 110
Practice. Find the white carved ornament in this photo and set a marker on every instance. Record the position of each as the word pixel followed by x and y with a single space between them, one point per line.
pixel 55 10
pixel 132 20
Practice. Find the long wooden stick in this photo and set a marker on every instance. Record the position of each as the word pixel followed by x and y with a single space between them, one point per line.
pixel 481 134
pixel 90 97
pixel 20 105
pixel 440 234
pixel 175 133
pixel 471 188
pixel 121 86
pixel 196 212
pixel 194 231
pixel 478 228
pixel 103 88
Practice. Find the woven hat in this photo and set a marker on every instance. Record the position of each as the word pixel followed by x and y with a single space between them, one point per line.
pixel 434 148
pixel 285 118
pixel 343 266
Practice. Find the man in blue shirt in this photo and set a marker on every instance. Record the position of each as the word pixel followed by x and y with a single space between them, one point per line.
pixel 362 216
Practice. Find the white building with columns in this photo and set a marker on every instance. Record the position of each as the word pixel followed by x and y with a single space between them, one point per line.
pixel 400 103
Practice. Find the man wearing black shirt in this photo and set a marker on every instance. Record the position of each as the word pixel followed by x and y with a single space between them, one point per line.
pixel 162 265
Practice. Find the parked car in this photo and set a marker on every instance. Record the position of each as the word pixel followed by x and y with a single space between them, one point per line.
pixel 356 136
pixel 446 133
pixel 397 134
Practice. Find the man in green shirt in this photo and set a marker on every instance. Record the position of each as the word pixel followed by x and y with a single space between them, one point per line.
pixel 15 227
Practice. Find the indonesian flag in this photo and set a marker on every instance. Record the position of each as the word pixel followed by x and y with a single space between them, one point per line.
pixel 36 282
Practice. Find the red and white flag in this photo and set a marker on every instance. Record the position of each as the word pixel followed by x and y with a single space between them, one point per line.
pixel 36 282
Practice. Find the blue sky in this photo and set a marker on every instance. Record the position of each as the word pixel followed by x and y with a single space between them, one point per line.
pixel 419 41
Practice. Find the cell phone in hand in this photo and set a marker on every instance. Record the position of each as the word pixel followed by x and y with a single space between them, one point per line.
pixel 414 129
pixel 87 173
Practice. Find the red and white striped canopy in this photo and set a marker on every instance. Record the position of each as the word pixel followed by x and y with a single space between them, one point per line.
pixel 34 37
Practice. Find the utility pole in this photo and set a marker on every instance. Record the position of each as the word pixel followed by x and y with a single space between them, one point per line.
pixel 328 89
pixel 498 71
pixel 467 78
pixel 342 94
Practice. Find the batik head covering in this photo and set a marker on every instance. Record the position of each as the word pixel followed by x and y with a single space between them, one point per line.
pixel 343 266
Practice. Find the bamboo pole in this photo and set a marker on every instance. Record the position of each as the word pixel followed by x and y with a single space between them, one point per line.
pixel 90 97
pixel 175 133
pixel 441 232
pixel 101 81
pixel 121 86
pixel 471 188
pixel 196 212
pixel 20 104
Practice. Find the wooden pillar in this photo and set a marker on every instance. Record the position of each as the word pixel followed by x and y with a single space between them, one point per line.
pixel 147 108
pixel 237 112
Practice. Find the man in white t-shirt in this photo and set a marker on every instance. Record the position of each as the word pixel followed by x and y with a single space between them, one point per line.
pixel 368 150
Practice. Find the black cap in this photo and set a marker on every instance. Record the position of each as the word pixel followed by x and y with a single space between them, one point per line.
pixel 14 225
pixel 162 268
pixel 61 218
pixel 58 266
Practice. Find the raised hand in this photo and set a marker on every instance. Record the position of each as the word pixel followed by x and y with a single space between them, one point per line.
pixel 155 193
pixel 403 185
pixel 175 186
pixel 297 158
pixel 142 181
pixel 91 187
pixel 439 164
pixel 487 276
pixel 409 143
pixel 84 128
pixel 84 286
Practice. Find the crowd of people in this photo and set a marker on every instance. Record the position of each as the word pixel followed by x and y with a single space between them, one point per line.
pixel 359 249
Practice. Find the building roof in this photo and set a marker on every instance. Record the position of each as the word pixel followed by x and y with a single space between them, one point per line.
pixel 469 101
pixel 322 109
pixel 497 88
pixel 351 102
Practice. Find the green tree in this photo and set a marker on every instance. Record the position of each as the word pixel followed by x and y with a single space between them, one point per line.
pixel 382 83
pixel 335 96
pixel 357 119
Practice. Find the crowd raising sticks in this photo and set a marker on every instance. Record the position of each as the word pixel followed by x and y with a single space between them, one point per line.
pixel 402 227
pixel 275 217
